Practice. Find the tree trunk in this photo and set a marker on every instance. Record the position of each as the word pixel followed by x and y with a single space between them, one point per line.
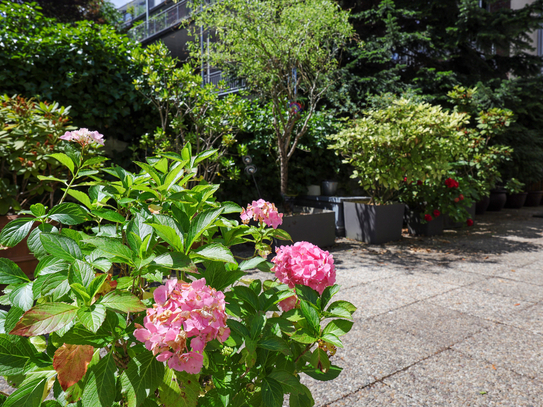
pixel 283 169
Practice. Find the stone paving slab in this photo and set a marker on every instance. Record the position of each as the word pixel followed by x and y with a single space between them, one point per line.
pixel 510 288
pixel 377 395
pixel 453 379
pixel 508 347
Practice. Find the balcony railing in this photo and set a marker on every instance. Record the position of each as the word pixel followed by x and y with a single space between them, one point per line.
pixel 161 21
pixel 230 85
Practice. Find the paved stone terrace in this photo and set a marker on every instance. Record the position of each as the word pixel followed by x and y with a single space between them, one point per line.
pixel 455 320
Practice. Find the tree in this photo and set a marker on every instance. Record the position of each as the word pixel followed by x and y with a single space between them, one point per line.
pixel 286 50
pixel 86 66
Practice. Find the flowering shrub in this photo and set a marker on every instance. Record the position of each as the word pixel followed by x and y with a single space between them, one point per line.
pixel 262 212
pixel 83 137
pixel 92 328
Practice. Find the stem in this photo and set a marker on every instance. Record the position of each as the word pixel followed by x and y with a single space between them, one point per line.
pixel 308 347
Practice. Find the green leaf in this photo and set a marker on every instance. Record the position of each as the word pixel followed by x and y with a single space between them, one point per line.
pixel 320 361
pixel 303 336
pixel 15 231
pixel 200 224
pixel 311 316
pixel 100 386
pixel 247 295
pixel 81 272
pixel 22 296
pixel 172 261
pixel 55 285
pixel 37 210
pixel 327 295
pixel 279 234
pixel 61 246
pixel 97 283
pixel 65 160
pixel 301 398
pixel 306 293
pixel 15 355
pixel 275 343
pixel 13 316
pixel 142 377
pixel 170 235
pixel 113 247
pixel 289 382
pixel 108 214
pixel 30 393
pixel 331 374
pixel 252 263
pixel 50 265
pixel 122 301
pixel 333 339
pixel 44 318
pixel 34 243
pixel 81 197
pixel 79 335
pixel 68 213
pixel 11 273
pixel 230 207
pixel 214 251
pixel 272 392
pixel 172 395
pixel 339 306
pixel 92 318
pixel 338 327
pixel 81 293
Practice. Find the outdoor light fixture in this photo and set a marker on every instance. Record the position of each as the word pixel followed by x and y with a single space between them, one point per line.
pixel 247 159
pixel 250 169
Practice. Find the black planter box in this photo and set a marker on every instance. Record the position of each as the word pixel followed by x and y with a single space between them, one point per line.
pixel 416 226
pixel 498 198
pixel 533 198
pixel 516 201
pixel 374 224
pixel 316 228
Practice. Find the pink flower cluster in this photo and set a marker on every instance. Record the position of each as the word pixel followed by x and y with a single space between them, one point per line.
pixel 183 313
pixel 84 137
pixel 262 211
pixel 304 263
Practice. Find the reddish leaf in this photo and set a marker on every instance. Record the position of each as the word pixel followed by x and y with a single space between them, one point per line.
pixel 70 362
pixel 44 318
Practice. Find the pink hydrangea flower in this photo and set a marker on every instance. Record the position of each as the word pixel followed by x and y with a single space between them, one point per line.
pixel 304 263
pixel 183 319
pixel 263 212
pixel 288 303
pixel 84 137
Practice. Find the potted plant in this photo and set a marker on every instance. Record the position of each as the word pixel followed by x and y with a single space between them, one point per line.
pixel 148 306
pixel 515 195
pixel 403 142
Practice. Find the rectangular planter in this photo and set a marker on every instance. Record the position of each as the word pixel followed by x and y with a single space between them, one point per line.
pixel 316 228
pixel 374 224
pixel 416 226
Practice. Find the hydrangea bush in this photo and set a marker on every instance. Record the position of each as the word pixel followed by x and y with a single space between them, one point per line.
pixel 137 299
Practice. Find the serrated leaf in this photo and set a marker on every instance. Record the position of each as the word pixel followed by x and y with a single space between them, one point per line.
pixel 37 210
pixel 108 214
pixel 15 355
pixel 333 339
pixel 68 213
pixel 345 305
pixel 13 316
pixel 179 389
pixel 338 327
pixel 11 273
pixel 15 231
pixel 34 243
pixel 327 295
pixel 200 223
pixel 172 260
pixel 215 252
pixel 331 374
pixel 170 235
pixel 275 343
pixel 29 393
pixel 81 197
pixel 50 265
pixel 100 389
pixel 113 247
pixel 122 301
pixel 93 317
pixel 64 160
pixel 311 316
pixel 252 263
pixel 44 318
pixel 61 246
pixel 22 296
pixel 272 392
pixel 303 336
pixel 141 378
pixel 70 363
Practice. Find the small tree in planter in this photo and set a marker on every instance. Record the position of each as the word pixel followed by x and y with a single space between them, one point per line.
pixel 406 141
pixel 287 52
pixel 146 307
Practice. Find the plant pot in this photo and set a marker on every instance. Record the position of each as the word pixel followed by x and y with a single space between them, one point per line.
pixel 448 223
pixel 317 228
pixel 498 198
pixel 374 224
pixel 416 226
pixel 482 205
pixel 533 198
pixel 516 201
pixel 19 254
pixel 313 190
pixel 329 188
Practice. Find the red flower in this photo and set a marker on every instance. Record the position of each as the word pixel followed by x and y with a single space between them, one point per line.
pixel 461 197
pixel 436 213
pixel 427 217
pixel 470 222
pixel 456 200
pixel 404 179
pixel 451 183
pixel 419 182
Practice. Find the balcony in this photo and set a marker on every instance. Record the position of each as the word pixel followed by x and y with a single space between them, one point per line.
pixel 159 22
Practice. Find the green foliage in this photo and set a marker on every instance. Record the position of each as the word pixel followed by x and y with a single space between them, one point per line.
pixel 93 286
pixel 286 50
pixel 84 65
pixel 514 186
pixel 189 112
pixel 406 140
pixel 29 132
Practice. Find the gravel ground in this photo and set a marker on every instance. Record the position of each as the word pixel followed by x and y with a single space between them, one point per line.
pixel 453 320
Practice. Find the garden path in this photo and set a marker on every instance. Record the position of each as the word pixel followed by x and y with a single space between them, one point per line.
pixel 454 320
